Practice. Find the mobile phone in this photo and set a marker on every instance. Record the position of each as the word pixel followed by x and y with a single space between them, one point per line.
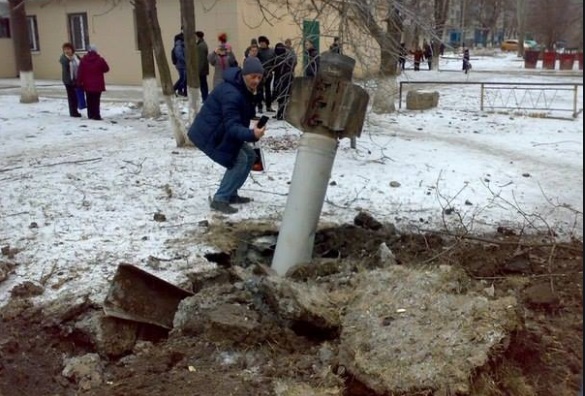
pixel 263 120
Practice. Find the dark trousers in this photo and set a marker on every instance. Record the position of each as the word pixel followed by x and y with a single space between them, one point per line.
pixel 203 87
pixel 265 90
pixel 282 89
pixel 402 62
pixel 93 105
pixel 180 86
pixel 71 99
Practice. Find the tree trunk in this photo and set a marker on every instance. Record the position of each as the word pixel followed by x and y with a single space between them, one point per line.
pixel 441 12
pixel 521 20
pixel 188 22
pixel 151 107
pixel 28 91
pixel 385 95
pixel 179 130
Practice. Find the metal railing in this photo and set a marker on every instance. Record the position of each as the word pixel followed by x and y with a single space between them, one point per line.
pixel 520 96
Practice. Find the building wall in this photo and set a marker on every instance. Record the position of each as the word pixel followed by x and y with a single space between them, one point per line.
pixel 112 30
pixel 7 61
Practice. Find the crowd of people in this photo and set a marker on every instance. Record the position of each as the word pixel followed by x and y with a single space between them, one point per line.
pixel 425 53
pixel 242 90
pixel 84 80
pixel 279 63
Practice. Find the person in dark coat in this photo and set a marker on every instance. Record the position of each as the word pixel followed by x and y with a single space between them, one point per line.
pixel 253 43
pixel 266 56
pixel 466 64
pixel 312 59
pixel 178 58
pixel 402 56
pixel 428 52
pixel 335 46
pixel 203 64
pixel 222 129
pixel 90 77
pixel 284 64
pixel 69 67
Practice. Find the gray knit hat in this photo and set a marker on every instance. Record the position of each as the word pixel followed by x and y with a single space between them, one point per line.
pixel 91 48
pixel 252 65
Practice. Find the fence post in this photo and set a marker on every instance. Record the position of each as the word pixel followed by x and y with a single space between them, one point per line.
pixel 575 98
pixel 400 95
pixel 481 97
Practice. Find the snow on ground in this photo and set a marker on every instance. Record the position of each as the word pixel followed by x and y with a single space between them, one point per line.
pixel 78 196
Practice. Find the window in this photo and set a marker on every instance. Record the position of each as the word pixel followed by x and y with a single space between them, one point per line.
pixel 4 28
pixel 78 32
pixel 33 32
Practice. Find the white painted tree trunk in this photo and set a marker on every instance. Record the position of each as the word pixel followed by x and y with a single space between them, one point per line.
pixel 385 96
pixel 28 90
pixel 194 102
pixel 151 106
pixel 177 125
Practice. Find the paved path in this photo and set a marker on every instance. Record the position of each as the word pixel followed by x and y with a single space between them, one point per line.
pixel 55 89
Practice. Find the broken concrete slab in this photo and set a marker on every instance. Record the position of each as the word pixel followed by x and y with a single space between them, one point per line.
pixel 300 302
pixel 112 337
pixel 290 388
pixel 411 330
pixel 140 296
pixel 86 371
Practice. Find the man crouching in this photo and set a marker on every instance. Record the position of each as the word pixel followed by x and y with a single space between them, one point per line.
pixel 222 128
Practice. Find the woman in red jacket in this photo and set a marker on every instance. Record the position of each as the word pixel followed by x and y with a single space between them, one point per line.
pixel 90 77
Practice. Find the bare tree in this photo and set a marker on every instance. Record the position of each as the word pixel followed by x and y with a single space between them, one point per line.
pixel 151 107
pixel 441 13
pixel 28 91
pixel 552 19
pixel 179 129
pixel 521 20
pixel 357 20
pixel 487 13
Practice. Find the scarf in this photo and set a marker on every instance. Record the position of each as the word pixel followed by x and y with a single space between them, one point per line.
pixel 73 67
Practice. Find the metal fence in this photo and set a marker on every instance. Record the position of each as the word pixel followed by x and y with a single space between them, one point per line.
pixel 544 99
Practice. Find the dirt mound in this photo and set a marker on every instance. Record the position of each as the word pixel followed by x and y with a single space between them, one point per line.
pixel 246 345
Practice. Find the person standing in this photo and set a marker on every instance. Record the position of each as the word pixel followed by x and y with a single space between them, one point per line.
pixel 402 56
pixel 253 43
pixel 252 51
pixel 222 130
pixel 335 47
pixel 178 58
pixel 90 77
pixel 203 65
pixel 428 52
pixel 266 56
pixel 418 57
pixel 291 53
pixel 466 64
pixel 283 78
pixel 221 59
pixel 69 68
pixel 312 59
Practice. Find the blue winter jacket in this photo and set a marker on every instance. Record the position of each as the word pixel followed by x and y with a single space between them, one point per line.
pixel 223 124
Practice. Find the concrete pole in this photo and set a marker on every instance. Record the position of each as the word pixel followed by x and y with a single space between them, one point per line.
pixel 311 174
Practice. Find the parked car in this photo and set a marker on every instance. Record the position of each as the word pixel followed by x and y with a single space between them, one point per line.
pixel 512 45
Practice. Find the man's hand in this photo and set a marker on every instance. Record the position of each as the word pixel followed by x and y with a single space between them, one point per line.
pixel 259 132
